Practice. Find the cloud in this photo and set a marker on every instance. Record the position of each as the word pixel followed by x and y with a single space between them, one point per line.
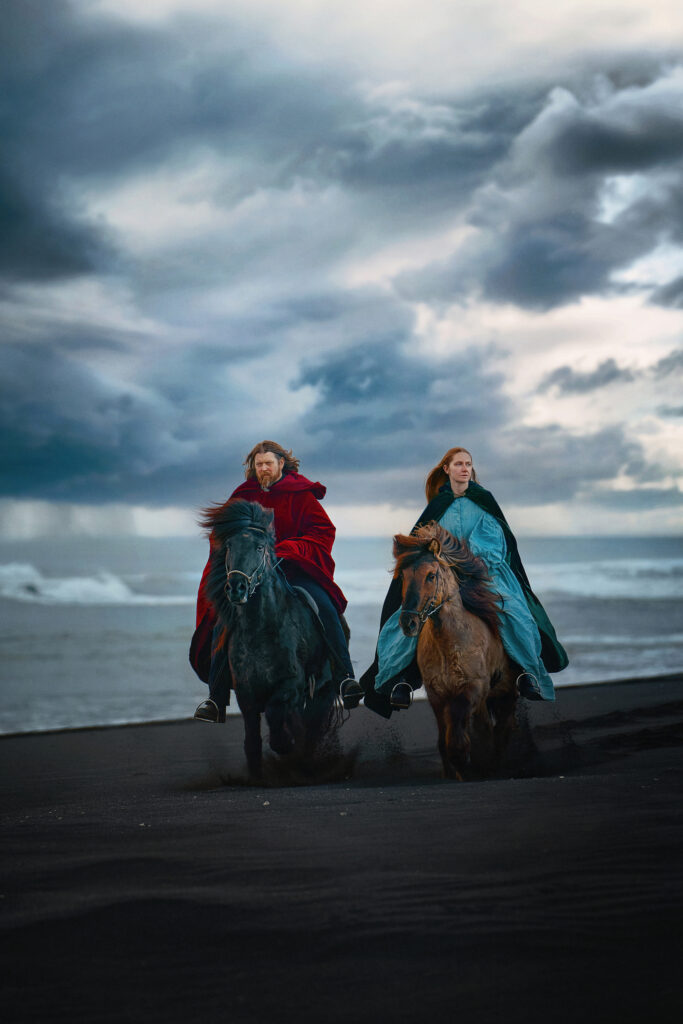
pixel 382 405
pixel 568 381
pixel 673 363
pixel 208 228
pixel 538 466
pixel 543 239
pixel 638 499
pixel 670 294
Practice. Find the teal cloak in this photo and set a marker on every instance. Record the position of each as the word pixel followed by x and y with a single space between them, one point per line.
pixel 553 655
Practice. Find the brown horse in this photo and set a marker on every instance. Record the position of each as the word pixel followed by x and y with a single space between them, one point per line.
pixel 471 683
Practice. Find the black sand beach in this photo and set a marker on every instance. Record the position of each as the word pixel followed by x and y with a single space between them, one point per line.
pixel 145 880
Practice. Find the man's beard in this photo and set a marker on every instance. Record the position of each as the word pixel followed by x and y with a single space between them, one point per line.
pixel 265 478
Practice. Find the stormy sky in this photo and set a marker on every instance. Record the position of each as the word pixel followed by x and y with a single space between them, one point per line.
pixel 369 230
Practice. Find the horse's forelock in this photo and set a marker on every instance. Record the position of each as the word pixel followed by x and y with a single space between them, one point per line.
pixel 228 519
pixel 407 549
pixel 431 540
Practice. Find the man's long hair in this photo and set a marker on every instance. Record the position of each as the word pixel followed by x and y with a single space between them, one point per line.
pixel 437 478
pixel 291 464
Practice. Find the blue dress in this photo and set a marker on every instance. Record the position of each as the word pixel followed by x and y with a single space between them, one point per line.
pixel 521 640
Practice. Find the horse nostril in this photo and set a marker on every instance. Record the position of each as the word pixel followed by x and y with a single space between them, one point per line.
pixel 407 624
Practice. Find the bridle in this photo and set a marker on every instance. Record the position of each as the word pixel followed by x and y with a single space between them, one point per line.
pixel 428 609
pixel 257 575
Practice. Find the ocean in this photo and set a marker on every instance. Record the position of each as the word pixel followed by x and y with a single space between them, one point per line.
pixel 96 631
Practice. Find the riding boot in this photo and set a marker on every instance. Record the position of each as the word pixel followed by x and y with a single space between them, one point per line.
pixel 350 693
pixel 209 711
pixel 401 696
pixel 220 677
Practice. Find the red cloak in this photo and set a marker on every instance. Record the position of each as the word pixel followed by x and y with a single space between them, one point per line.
pixel 304 533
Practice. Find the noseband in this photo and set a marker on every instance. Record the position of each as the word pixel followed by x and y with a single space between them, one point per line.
pixel 427 610
pixel 256 577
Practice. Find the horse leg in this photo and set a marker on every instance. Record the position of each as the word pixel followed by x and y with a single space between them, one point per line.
pixel 458 714
pixel 252 743
pixel 443 721
pixel 318 719
pixel 283 734
pixel 503 708
pixel 442 713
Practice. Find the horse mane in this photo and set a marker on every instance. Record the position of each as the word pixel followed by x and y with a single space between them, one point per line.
pixel 224 521
pixel 470 571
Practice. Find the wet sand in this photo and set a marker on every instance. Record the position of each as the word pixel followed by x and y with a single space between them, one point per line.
pixel 144 879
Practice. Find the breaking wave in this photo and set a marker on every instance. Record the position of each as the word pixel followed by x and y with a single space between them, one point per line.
pixel 639 578
pixel 23 582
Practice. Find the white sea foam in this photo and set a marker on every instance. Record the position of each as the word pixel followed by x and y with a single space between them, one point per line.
pixel 603 640
pixel 23 582
pixel 641 578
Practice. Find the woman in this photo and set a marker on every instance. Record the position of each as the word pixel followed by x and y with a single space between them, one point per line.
pixel 468 511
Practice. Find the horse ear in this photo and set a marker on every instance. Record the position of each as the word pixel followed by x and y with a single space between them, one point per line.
pixel 269 514
pixel 435 546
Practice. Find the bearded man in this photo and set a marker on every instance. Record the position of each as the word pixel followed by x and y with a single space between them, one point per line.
pixel 304 538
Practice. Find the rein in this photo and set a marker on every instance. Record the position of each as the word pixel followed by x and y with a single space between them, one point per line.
pixel 427 611
pixel 256 577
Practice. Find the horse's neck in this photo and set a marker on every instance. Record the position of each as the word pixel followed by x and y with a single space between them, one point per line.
pixel 452 615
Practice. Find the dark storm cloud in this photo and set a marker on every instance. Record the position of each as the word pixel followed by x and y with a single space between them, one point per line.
pixel 667 365
pixel 97 413
pixel 670 294
pixel 382 403
pixel 388 415
pixel 547 264
pixel 626 138
pixel 40 239
pixel 642 499
pixel 89 100
pixel 72 434
pixel 86 101
pixel 569 381
pixel 544 239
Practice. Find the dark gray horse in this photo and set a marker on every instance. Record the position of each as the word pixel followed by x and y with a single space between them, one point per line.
pixel 277 653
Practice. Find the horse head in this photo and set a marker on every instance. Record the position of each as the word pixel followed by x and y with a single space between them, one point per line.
pixel 425 587
pixel 434 568
pixel 242 548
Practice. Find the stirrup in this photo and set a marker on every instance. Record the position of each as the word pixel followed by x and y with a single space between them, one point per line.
pixel 212 713
pixel 531 684
pixel 350 693
pixel 398 699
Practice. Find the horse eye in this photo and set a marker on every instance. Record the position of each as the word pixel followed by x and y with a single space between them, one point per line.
pixel 431 576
